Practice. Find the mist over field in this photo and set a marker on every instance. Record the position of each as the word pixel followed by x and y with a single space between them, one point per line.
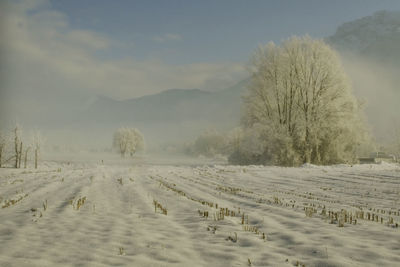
pixel 201 133
pixel 77 99
pixel 73 94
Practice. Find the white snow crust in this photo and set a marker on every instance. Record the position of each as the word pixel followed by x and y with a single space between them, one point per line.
pixel 117 225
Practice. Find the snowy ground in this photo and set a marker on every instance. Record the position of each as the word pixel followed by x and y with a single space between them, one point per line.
pixel 104 215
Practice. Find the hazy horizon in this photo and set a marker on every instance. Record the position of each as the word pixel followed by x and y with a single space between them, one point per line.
pixel 58 57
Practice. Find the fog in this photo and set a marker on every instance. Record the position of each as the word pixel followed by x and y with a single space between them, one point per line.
pixel 376 85
pixel 74 120
pixel 53 80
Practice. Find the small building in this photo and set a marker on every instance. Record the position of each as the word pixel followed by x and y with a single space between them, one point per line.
pixel 378 157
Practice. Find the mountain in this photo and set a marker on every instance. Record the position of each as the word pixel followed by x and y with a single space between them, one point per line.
pixel 170 116
pixel 174 105
pixel 370 51
pixel 376 37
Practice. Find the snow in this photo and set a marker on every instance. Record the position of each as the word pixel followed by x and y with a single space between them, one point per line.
pixel 116 225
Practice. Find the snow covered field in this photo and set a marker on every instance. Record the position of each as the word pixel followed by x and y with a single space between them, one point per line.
pixel 162 215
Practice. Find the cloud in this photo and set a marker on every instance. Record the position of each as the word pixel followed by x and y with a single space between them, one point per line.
pixel 167 37
pixel 43 55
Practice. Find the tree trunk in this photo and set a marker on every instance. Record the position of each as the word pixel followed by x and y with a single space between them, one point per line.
pixel 308 155
pixel 1 153
pixel 306 150
pixel 20 155
pixel 16 147
pixel 36 158
pixel 26 157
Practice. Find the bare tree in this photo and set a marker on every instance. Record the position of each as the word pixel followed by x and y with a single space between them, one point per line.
pixel 3 142
pixel 396 142
pixel 17 142
pixel 37 143
pixel 26 156
pixel 20 155
pixel 300 91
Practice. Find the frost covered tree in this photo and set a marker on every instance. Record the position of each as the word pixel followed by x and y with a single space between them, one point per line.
pixel 210 143
pixel 394 146
pixel 235 137
pixel 17 145
pixel 397 144
pixel 37 143
pixel 27 148
pixel 128 141
pixel 300 100
pixel 3 142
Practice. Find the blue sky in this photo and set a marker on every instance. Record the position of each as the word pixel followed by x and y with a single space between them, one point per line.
pixel 211 30
pixel 125 49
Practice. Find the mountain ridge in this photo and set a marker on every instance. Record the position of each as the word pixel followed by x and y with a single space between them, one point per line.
pixel 376 37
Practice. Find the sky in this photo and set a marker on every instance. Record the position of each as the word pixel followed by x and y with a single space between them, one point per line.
pixel 197 31
pixel 125 49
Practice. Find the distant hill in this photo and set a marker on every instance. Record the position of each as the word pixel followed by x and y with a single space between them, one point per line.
pixel 170 116
pixel 170 106
pixel 376 37
pixel 370 49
